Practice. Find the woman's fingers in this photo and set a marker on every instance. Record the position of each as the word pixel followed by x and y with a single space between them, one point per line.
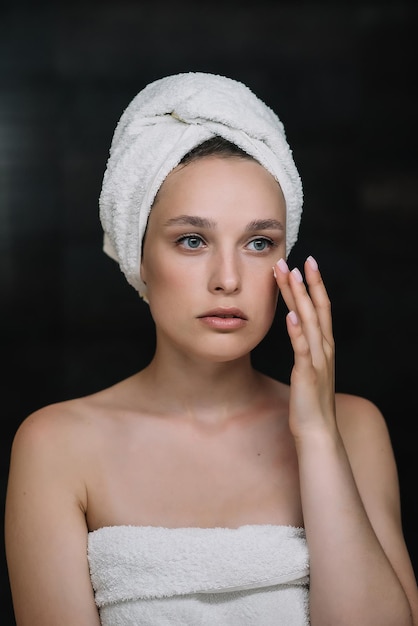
pixel 309 320
pixel 309 325
pixel 301 348
pixel 319 297
pixel 312 309
pixel 281 273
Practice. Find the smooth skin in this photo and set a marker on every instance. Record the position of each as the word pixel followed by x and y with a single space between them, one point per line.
pixel 199 438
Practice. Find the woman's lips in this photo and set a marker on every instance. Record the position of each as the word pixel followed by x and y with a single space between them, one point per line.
pixel 224 319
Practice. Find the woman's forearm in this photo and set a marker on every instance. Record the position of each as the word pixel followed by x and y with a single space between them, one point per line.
pixel 352 580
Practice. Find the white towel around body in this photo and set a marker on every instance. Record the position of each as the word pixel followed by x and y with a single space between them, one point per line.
pixel 252 575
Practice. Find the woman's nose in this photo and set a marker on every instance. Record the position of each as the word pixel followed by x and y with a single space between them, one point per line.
pixel 225 274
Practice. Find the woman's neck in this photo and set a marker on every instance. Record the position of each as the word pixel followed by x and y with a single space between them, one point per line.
pixel 202 390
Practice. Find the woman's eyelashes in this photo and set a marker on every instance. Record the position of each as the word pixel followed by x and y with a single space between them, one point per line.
pixel 192 241
pixel 261 244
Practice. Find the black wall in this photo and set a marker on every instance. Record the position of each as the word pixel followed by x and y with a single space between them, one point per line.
pixel 340 75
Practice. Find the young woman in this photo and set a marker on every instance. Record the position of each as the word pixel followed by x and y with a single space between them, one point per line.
pixel 200 491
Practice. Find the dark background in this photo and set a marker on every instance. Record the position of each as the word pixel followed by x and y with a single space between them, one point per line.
pixel 340 75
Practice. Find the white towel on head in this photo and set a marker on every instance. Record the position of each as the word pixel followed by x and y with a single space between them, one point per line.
pixel 167 119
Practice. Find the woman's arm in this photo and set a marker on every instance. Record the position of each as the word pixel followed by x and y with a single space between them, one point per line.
pixel 360 570
pixel 369 449
pixel 46 534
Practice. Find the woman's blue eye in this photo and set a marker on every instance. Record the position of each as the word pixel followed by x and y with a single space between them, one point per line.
pixel 192 242
pixel 259 245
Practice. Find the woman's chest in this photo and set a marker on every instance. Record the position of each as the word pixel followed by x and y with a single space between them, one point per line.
pixel 194 478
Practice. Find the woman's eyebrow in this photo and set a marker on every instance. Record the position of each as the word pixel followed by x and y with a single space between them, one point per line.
pixel 191 220
pixel 203 222
pixel 264 225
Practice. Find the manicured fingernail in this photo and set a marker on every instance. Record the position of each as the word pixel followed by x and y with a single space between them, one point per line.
pixel 312 262
pixel 293 317
pixel 297 275
pixel 282 265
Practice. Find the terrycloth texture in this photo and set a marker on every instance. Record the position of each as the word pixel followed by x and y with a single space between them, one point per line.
pixel 163 122
pixel 252 575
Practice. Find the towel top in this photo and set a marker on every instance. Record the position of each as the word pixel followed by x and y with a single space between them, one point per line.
pixel 134 562
pixel 162 123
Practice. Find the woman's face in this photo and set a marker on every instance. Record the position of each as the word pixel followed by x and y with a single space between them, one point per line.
pixel 214 233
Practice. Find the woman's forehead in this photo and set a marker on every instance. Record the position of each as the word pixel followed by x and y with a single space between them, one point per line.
pixel 218 184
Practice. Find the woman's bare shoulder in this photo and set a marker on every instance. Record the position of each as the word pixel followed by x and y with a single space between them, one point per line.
pixel 363 429
pixel 357 416
pixel 366 438
pixel 69 422
pixel 56 417
pixel 53 436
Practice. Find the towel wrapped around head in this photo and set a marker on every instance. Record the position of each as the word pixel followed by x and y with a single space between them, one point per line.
pixel 166 120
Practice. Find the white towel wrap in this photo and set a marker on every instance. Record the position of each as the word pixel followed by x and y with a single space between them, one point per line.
pixel 162 123
pixel 200 576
